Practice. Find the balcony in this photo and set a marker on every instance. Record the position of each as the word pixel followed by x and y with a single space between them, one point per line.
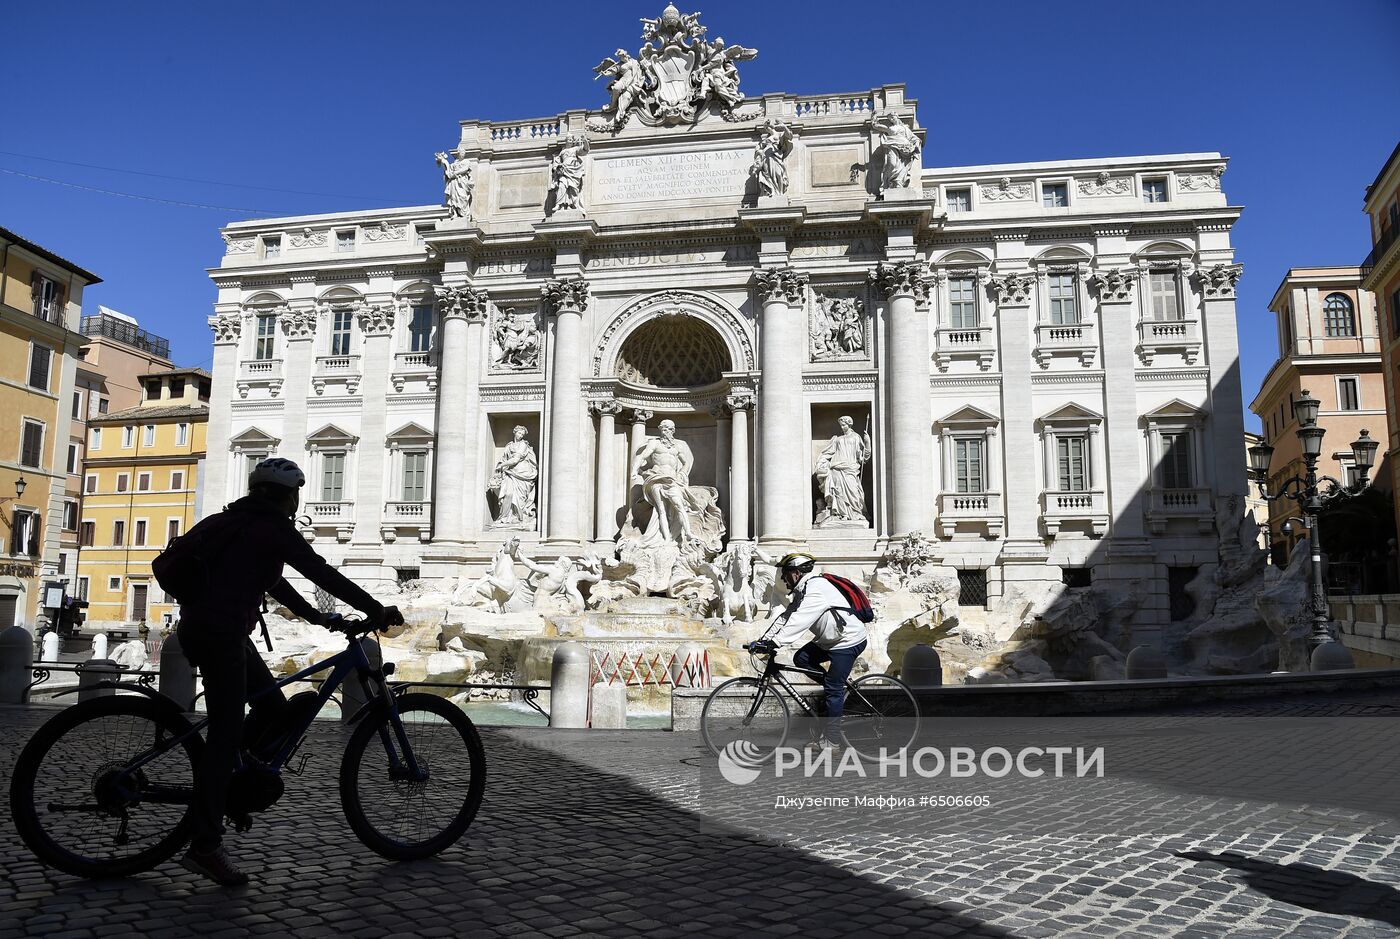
pixel 1183 336
pixel 1088 507
pixel 407 516
pixel 973 343
pixel 336 370
pixel 1076 339
pixel 1165 505
pixel 129 334
pixel 1388 237
pixel 260 373
pixel 982 508
pixel 332 516
pixel 414 365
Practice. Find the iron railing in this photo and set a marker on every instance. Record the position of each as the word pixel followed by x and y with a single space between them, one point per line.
pixel 130 334
pixel 1383 243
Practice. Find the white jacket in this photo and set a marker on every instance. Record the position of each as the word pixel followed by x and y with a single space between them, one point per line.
pixel 818 607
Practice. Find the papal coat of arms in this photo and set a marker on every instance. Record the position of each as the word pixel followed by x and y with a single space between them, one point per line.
pixel 675 77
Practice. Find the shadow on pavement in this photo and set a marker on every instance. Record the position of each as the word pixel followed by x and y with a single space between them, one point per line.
pixel 559 848
pixel 1314 888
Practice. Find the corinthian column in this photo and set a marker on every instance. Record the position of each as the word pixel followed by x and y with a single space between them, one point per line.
pixel 227 327
pixel 911 417
pixel 605 484
pixel 783 342
pixel 463 311
pixel 739 407
pixel 567 299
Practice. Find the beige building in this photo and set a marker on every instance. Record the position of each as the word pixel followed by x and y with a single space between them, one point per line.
pixel 1329 344
pixel 1380 274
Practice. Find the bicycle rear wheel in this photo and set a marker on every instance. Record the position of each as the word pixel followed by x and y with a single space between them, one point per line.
pixel 880 718
pixel 400 817
pixel 79 812
pixel 746 718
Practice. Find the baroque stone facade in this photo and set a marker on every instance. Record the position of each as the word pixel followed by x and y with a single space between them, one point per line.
pixel 1038 370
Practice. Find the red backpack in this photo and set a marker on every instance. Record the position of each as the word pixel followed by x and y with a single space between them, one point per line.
pixel 857 603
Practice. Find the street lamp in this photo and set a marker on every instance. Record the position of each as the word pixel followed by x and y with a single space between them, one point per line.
pixel 1304 491
pixel 20 484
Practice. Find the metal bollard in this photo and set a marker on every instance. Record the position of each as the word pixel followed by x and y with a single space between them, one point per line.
pixel 352 696
pixel 93 671
pixel 176 679
pixel 921 668
pixel 51 646
pixel 568 686
pixel 609 705
pixel 16 665
pixel 1146 662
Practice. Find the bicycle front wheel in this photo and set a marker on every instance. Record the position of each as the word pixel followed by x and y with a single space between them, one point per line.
pixel 78 807
pixel 396 814
pixel 881 717
pixel 746 717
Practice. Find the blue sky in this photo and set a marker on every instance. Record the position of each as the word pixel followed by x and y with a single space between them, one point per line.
pixel 345 103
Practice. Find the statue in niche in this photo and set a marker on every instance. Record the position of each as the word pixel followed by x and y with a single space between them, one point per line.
pixel 513 481
pixel 898 148
pixel 566 173
pixel 770 155
pixel 517 340
pixel 681 513
pixel 837 329
pixel 838 475
pixel 458 179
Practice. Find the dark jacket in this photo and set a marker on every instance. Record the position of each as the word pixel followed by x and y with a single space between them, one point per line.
pixel 254 540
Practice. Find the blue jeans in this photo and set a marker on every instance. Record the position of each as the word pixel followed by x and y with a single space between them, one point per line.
pixel 841 661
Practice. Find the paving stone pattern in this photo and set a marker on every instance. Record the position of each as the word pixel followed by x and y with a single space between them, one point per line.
pixel 615 833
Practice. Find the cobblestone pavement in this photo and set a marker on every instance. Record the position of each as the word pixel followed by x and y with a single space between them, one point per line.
pixel 630 833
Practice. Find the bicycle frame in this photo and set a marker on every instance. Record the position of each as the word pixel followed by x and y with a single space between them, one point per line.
pixel 343 665
pixel 773 675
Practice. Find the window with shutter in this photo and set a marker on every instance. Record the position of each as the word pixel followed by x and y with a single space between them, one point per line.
pixel 32 445
pixel 968 465
pixel 1176 461
pixel 1070 453
pixel 39 366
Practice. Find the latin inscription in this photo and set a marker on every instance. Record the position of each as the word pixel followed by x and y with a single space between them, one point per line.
pixel 671 177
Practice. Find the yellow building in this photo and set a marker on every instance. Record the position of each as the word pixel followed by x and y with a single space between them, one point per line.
pixel 41 297
pixel 1329 345
pixel 140 483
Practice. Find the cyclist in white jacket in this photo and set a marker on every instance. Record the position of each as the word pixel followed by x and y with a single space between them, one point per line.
pixel 817 607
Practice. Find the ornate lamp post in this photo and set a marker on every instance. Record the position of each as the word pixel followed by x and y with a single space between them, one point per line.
pixel 1304 491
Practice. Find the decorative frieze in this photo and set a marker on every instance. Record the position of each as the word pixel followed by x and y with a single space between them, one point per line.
pixel 309 238
pixel 1012 289
pixel 780 283
pixel 1218 282
pixel 237 244
pixel 1106 185
pixel 566 296
pixel 515 339
pixel 384 231
pixel 837 329
pixel 1200 182
pixel 1005 191
pixel 1114 285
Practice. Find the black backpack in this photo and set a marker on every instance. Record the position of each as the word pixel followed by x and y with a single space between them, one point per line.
pixel 183 569
pixel 857 603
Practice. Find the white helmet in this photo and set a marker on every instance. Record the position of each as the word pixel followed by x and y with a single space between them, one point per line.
pixel 278 472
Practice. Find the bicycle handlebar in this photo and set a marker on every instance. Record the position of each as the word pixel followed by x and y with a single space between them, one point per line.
pixel 761 646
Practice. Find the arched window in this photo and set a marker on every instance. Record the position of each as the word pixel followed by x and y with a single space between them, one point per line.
pixel 1337 316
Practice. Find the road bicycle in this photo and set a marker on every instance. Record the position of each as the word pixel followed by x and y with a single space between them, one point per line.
pixel 880 717
pixel 105 788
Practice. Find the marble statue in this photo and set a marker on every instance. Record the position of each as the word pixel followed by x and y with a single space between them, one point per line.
pixel 681 513
pixel 498 588
pixel 838 477
pixel 566 173
pixel 458 180
pixel 555 587
pixel 836 327
pixel 675 77
pixel 898 148
pixel 513 481
pixel 517 340
pixel 770 154
pixel 743 575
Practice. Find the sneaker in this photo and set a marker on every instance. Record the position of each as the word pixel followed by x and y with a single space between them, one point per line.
pixel 216 865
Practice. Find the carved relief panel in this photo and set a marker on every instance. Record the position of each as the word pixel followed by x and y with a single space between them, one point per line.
pixel 515 339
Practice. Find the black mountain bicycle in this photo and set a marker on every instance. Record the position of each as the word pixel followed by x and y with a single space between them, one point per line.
pixel 880 718
pixel 105 788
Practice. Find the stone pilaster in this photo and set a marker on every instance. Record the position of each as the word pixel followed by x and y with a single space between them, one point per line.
pixel 782 348
pixel 227 327
pixel 1221 340
pixel 376 322
pixel 908 440
pixel 462 310
pixel 566 300
pixel 299 329
pixel 605 483
pixel 739 407
pixel 1126 480
pixel 1013 292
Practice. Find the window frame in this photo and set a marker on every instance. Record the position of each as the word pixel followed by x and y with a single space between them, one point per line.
pixel 70 507
pixel 1332 316
pixel 148 435
pixel 177 476
pixel 26 537
pixel 129 437
pixel 413 333
pixel 341 244
pixel 90 481
pixel 1064 471
pixel 182 434
pixel 962 441
pixel 178 524
pixel 1059 186
pixel 114 583
pixel 35 348
pixel 140 529
pixel 1354 382
pixel 415 453
pixel 951 193
pixel 123 482
pixel 71 467
pixel 341 334
pixel 343 456
pixel 25 424
pixel 1150 181
pixel 1054 305
pixel 1161 470
pixel 87 532
pixel 119 533
pixel 264 337
pixel 1179 302
pixel 958 306
pixel 271 246
pixel 143 482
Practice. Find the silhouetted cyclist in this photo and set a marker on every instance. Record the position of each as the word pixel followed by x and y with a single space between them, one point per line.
pixel 244 548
